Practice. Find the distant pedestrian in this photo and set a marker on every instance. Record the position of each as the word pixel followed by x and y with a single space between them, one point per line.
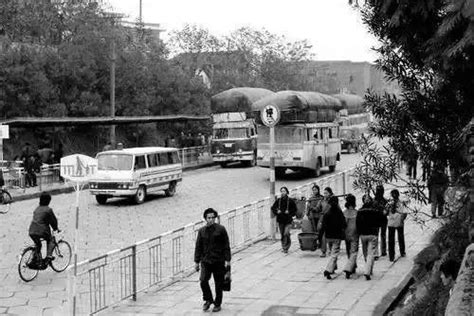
pixel 437 184
pixel 312 209
pixel 396 222
pixel 333 227
pixel 351 235
pixel 284 209
pixel 120 146
pixel 322 208
pixel 212 257
pixel 368 221
pixel 379 205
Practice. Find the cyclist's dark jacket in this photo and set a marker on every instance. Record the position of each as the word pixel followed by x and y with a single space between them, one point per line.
pixel 212 245
pixel 43 217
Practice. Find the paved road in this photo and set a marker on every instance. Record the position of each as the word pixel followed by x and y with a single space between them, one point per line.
pixel 121 223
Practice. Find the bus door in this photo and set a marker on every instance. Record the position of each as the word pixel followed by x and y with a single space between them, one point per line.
pixel 325 131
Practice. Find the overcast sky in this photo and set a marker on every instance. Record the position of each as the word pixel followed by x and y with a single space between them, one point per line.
pixel 333 28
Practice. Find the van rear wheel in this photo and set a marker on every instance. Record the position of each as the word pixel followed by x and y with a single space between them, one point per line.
pixel 101 199
pixel 171 189
pixel 140 195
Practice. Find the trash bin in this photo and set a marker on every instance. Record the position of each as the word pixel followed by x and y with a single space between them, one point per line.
pixel 308 241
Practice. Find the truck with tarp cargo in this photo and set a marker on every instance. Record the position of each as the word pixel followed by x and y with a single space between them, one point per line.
pixel 353 120
pixel 307 135
pixel 234 132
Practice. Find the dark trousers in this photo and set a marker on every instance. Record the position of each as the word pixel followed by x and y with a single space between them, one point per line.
pixel 49 244
pixel 391 241
pixel 383 239
pixel 218 272
pixel 285 235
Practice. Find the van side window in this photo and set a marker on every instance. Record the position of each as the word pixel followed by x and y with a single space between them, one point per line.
pixel 330 132
pixel 170 158
pixel 152 160
pixel 164 160
pixel 139 162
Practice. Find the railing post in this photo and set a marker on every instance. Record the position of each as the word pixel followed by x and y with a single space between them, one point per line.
pixel 134 272
pixel 40 179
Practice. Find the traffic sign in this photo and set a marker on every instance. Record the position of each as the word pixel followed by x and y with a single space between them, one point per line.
pixel 78 168
pixel 270 115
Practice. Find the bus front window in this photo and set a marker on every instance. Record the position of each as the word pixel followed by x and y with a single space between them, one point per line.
pixel 224 133
pixel 114 162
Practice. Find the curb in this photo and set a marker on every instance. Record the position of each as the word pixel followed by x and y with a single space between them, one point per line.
pixel 391 300
pixel 69 189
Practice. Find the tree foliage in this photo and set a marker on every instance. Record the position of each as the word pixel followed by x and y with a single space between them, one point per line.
pixel 428 48
pixel 245 57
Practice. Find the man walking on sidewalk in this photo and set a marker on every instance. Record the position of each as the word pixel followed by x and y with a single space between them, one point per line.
pixel 212 256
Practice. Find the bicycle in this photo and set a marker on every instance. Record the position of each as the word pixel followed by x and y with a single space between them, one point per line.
pixel 28 266
pixel 5 199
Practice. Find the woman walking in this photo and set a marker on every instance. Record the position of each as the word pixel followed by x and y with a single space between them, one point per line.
pixel 284 209
pixel 333 226
pixel 379 205
pixel 322 209
pixel 313 203
pixel 352 237
pixel 396 222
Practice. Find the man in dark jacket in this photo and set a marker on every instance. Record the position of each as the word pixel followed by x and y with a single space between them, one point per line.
pixel 368 221
pixel 43 219
pixel 212 256
pixel 284 209
pixel 437 185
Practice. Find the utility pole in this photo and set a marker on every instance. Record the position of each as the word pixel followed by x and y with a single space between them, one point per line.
pixel 112 93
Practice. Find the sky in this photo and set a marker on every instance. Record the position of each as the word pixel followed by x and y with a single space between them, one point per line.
pixel 333 28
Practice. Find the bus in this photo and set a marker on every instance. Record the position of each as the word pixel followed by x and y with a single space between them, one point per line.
pixel 304 147
pixel 136 172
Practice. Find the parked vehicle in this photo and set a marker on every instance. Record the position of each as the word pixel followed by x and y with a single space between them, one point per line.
pixel 234 138
pixel 136 172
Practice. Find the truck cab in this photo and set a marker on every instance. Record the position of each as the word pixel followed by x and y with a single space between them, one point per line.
pixel 234 138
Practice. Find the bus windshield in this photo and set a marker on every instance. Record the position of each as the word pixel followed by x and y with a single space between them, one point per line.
pixel 114 162
pixel 224 133
pixel 286 134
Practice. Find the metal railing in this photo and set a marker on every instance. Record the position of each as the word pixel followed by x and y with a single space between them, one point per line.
pixel 123 273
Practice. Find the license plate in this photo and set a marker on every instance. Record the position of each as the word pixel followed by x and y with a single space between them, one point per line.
pixel 227 145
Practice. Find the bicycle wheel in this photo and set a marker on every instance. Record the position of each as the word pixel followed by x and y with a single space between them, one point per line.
pixel 27 274
pixel 6 197
pixel 62 256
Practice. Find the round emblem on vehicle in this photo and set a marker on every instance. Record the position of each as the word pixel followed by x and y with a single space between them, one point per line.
pixel 270 115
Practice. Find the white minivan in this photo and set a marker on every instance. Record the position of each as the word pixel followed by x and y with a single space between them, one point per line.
pixel 135 172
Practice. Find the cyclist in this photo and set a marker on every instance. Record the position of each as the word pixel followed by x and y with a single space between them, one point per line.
pixel 43 218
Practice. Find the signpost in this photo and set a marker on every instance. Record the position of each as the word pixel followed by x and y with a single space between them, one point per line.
pixel 78 169
pixel 270 116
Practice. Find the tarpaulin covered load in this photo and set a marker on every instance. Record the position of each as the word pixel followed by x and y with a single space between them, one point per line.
pixel 306 106
pixel 351 102
pixel 237 99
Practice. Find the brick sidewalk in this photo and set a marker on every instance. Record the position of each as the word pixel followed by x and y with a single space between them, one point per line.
pixel 268 282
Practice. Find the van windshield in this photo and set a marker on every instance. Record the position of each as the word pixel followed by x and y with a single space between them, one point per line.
pixel 114 162
pixel 223 133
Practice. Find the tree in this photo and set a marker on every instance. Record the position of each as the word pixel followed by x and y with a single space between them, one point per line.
pixel 428 48
pixel 246 57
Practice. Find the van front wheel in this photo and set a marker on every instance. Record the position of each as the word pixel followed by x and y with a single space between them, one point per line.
pixel 140 195
pixel 171 189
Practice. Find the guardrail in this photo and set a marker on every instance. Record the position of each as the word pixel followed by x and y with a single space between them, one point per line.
pixel 121 274
pixel 49 175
